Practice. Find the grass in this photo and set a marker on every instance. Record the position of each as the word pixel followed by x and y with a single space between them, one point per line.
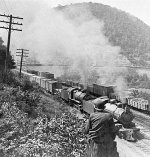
pixel 34 124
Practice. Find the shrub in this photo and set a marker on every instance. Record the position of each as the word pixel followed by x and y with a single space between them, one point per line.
pixel 61 135
pixel 26 85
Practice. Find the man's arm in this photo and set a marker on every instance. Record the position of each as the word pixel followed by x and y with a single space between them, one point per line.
pixel 87 127
pixel 112 127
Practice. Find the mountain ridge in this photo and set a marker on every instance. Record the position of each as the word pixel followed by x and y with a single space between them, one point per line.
pixel 122 29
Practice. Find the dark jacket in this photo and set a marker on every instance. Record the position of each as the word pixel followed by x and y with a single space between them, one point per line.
pixel 101 127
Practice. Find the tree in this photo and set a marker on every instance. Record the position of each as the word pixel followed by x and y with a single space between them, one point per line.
pixel 11 63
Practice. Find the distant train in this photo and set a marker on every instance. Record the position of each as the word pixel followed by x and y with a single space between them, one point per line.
pixel 84 99
pixel 47 81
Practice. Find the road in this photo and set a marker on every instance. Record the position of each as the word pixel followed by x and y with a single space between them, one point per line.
pixel 129 149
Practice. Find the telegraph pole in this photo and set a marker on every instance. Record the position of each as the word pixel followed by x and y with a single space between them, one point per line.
pixel 10 22
pixel 22 56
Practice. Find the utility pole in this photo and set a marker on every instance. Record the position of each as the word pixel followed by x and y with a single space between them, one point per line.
pixel 22 56
pixel 10 22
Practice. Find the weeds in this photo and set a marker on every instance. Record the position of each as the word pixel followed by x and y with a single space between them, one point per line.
pixel 30 126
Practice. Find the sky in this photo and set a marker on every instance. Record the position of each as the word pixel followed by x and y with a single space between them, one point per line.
pixel 138 8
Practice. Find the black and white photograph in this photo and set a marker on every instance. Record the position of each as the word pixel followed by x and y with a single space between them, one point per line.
pixel 74 78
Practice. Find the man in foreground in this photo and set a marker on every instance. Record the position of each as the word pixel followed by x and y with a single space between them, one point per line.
pixel 101 132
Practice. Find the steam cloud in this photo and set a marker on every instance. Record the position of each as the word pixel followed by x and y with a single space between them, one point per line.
pixel 71 35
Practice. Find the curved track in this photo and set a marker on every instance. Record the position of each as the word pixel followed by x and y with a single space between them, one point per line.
pixel 143 122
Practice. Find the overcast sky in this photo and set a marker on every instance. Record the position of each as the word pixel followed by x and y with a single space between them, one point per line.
pixel 21 8
pixel 138 8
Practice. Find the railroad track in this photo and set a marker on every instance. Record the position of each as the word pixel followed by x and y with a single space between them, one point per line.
pixel 143 122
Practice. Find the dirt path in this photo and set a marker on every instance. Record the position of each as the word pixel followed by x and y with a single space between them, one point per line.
pixel 128 149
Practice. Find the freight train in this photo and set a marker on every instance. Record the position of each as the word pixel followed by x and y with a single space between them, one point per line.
pixel 84 100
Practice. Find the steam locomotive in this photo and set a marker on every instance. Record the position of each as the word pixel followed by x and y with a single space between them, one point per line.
pixel 85 99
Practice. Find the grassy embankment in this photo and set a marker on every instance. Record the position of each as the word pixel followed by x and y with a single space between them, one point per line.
pixel 33 124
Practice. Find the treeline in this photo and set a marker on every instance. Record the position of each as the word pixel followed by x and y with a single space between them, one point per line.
pixel 10 61
pixel 121 28
pixel 126 31
pixel 134 80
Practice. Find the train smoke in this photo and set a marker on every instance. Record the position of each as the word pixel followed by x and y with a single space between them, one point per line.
pixel 69 35
pixel 121 87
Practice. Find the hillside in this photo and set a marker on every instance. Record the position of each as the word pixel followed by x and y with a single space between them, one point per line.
pixel 121 28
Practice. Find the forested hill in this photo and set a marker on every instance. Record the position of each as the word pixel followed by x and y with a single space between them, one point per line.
pixel 122 29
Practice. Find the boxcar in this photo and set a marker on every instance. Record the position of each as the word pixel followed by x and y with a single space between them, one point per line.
pixel 26 75
pixel 51 86
pixel 43 82
pixel 46 75
pixel 34 78
pixel 33 72
pixel 38 80
pixel 89 90
pixel 101 90
pixel 64 94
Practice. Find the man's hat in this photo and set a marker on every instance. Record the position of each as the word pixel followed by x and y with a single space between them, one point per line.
pixel 99 103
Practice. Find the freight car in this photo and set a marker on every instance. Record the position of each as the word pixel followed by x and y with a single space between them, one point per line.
pixel 52 86
pixel 101 90
pixel 131 98
pixel 46 75
pixel 69 83
pixel 139 103
pixel 33 72
pixel 96 90
pixel 139 100
pixel 64 94
pixel 85 102
pixel 27 76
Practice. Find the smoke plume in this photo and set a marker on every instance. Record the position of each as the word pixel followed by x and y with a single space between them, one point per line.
pixel 69 35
